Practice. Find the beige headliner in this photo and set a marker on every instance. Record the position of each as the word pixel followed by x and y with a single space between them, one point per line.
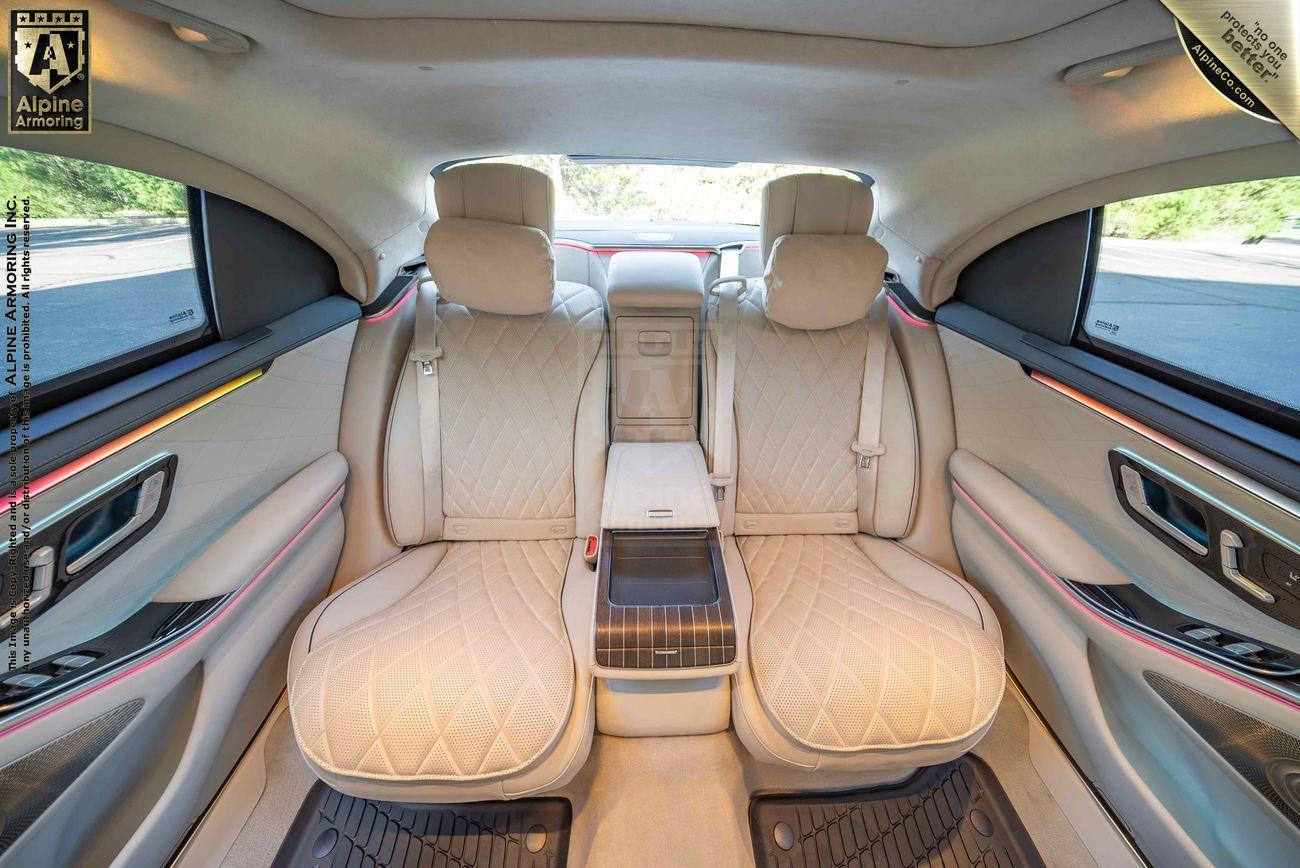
pixel 343 117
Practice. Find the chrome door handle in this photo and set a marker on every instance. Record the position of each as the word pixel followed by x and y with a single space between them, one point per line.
pixel 1136 495
pixel 146 504
pixel 41 562
pixel 1229 544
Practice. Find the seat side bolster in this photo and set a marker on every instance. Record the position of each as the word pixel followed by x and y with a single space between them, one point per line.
pixel 924 578
pixel 590 435
pixel 388 583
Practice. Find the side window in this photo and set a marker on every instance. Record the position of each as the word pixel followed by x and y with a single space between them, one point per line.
pixel 114 285
pixel 1203 287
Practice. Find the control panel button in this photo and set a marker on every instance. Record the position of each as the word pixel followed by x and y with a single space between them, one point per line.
pixel 26 680
pixel 73 661
pixel 1204 634
pixel 1243 649
pixel 1282 574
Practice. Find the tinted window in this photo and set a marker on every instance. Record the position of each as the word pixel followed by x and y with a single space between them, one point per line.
pixel 1206 281
pixel 112 263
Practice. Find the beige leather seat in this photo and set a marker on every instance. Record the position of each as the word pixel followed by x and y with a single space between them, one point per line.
pixel 861 655
pixel 449 673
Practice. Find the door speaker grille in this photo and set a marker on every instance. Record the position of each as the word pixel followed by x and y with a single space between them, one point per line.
pixel 1264 755
pixel 31 783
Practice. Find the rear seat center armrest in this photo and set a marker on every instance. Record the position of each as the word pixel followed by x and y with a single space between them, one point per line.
pixel 657 486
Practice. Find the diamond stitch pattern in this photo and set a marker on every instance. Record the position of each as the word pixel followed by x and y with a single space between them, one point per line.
pixel 845 658
pixel 468 677
pixel 508 393
pixel 797 398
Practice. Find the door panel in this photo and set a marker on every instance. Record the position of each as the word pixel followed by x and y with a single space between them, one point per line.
pixel 231 452
pixel 1116 695
pixel 252 532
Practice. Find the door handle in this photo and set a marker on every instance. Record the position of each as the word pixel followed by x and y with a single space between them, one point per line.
pixel 1229 546
pixel 1140 499
pixel 41 563
pixel 147 496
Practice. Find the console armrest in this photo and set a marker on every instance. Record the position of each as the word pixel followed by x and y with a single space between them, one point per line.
pixel 655 279
pixel 657 485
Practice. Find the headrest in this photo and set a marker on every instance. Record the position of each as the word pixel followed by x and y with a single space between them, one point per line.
pixel 490 248
pixel 813 204
pixel 823 281
pixel 498 192
pixel 491 266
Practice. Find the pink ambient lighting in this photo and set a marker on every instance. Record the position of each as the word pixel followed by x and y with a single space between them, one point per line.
pixel 914 320
pixel 395 306
pixel 1051 577
pixel 170 651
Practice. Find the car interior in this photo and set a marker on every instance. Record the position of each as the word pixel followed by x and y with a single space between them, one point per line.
pixel 651 433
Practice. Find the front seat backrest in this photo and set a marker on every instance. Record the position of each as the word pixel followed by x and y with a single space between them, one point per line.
pixel 521 377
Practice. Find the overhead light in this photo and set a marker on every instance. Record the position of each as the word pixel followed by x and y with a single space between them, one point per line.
pixel 190 29
pixel 1121 63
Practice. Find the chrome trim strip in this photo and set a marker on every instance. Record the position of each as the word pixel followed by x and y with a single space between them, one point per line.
pixel 1201 493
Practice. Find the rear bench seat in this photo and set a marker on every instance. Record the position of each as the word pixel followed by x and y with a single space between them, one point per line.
pixel 861 655
pixel 448 674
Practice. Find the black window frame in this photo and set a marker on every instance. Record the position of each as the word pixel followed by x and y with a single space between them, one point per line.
pixel 1246 404
pixel 98 375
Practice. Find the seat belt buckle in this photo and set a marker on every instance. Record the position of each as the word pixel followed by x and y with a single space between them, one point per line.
pixel 866 452
pixel 592 549
pixel 426 358
pixel 720 483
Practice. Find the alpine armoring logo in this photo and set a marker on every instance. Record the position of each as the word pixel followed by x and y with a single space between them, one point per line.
pixel 49 81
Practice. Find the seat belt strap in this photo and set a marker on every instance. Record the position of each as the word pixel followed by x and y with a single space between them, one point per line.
pixel 425 354
pixel 728 289
pixel 730 260
pixel 868 447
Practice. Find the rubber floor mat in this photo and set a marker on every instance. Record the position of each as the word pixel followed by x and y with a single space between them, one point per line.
pixel 952 815
pixel 332 829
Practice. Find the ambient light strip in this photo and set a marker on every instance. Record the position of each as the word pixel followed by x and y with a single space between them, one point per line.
pixel 1282 502
pixel 1051 577
pixel 396 305
pixel 44 483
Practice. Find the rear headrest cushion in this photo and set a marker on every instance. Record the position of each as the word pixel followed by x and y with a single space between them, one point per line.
pixel 814 204
pixel 491 266
pixel 823 281
pixel 499 192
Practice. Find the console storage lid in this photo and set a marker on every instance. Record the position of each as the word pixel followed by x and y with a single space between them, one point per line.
pixel 657 485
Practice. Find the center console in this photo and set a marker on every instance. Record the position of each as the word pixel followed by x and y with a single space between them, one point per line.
pixel 664 637
pixel 655 299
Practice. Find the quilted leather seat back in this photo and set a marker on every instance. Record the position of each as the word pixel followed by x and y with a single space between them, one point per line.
pixel 798 384
pixel 513 446
pixel 797 399
pixel 509 395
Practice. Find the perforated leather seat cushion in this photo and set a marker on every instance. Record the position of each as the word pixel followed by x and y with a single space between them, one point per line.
pixel 468 677
pixel 845 658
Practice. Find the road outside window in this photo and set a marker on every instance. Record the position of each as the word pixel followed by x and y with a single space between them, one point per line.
pixel 1207 280
pixel 112 262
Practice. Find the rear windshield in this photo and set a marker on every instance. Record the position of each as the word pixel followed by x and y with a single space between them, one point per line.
pixel 611 191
